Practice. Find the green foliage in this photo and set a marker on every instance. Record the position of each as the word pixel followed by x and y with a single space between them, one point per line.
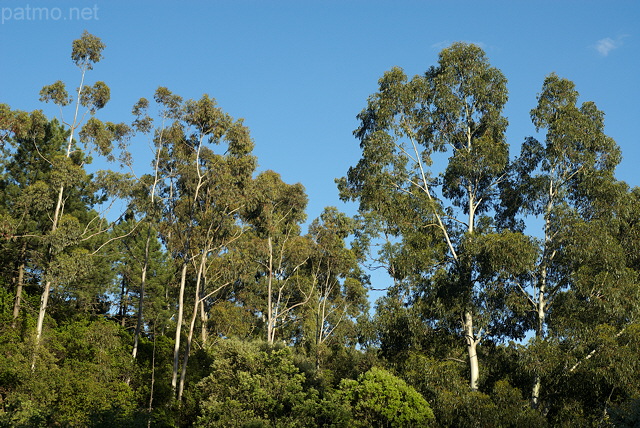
pixel 86 365
pixel 87 50
pixel 380 399
pixel 443 383
pixel 56 93
pixel 253 384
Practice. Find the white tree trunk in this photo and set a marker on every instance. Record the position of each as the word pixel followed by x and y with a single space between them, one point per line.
pixel 176 348
pixel 541 302
pixel 471 349
pixel 18 299
pixel 192 325
pixel 271 329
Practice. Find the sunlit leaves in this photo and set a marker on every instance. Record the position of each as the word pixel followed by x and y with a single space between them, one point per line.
pixel 104 135
pixel 254 384
pixel 56 93
pixel 378 398
pixel 87 50
pixel 95 97
pixel 143 123
pixel 171 103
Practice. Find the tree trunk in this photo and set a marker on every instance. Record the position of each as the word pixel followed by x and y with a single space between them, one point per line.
pixel 153 376
pixel 318 336
pixel 204 319
pixel 19 283
pixel 468 316
pixel 537 382
pixel 270 309
pixel 123 297
pixel 541 304
pixel 176 348
pixel 18 300
pixel 192 325
pixel 44 300
pixel 471 349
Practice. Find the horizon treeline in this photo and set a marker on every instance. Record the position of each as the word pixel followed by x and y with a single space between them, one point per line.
pixel 514 297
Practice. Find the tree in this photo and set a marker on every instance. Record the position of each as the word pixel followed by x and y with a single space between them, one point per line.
pixel 340 296
pixel 23 205
pixel 432 222
pixel 84 383
pixel 567 181
pixel 202 195
pixel 143 273
pixel 255 385
pixel 280 253
pixel 95 135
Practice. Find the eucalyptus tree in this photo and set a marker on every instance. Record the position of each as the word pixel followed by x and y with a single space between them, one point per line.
pixel 94 135
pixel 431 220
pixel 340 294
pixel 202 194
pixel 278 285
pixel 567 181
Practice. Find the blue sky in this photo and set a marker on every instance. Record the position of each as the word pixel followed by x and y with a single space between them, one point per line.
pixel 298 72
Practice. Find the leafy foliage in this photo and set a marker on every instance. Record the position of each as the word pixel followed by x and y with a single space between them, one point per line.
pixel 378 398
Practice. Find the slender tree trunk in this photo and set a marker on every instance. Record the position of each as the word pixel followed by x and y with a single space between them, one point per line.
pixel 192 325
pixel 470 337
pixel 471 349
pixel 541 313
pixel 204 319
pixel 541 303
pixel 123 297
pixel 319 319
pixel 18 300
pixel 44 299
pixel 176 348
pixel 321 316
pixel 270 314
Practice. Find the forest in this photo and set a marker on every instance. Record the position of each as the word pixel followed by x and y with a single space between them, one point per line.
pixel 514 296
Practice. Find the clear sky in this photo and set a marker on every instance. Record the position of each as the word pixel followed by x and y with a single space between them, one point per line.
pixel 299 71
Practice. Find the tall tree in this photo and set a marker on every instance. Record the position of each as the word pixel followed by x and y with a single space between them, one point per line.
pixel 340 296
pixel 454 107
pixel 202 195
pixel 280 253
pixel 93 134
pixel 567 181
